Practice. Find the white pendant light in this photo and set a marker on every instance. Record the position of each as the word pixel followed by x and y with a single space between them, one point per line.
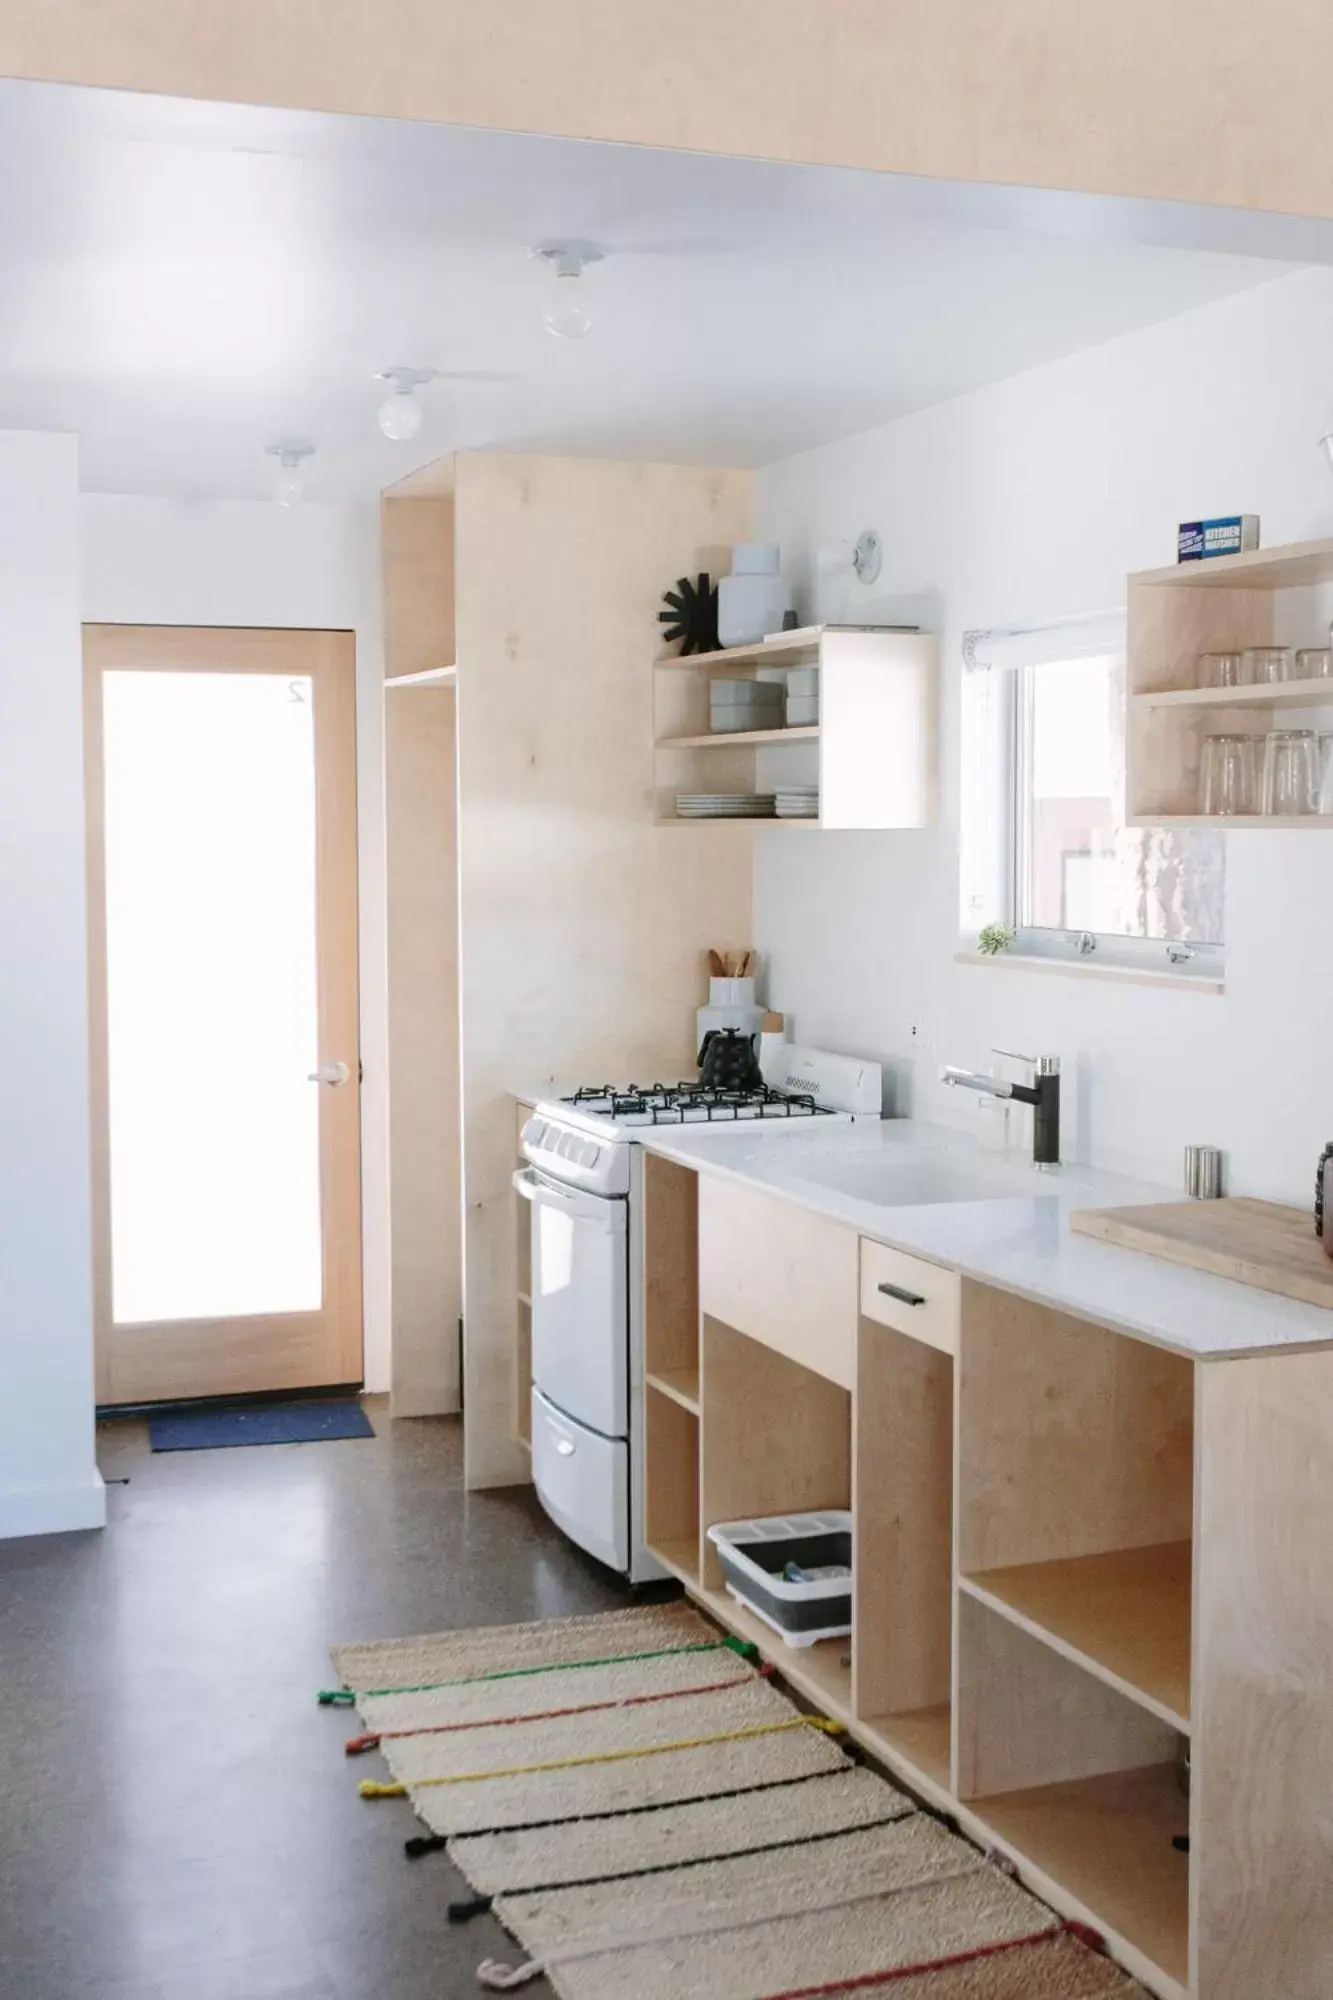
pixel 287 486
pixel 567 307
pixel 401 414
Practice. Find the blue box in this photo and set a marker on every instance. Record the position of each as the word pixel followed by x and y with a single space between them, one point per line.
pixel 1228 535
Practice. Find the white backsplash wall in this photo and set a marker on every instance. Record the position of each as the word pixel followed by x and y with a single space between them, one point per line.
pixel 1026 501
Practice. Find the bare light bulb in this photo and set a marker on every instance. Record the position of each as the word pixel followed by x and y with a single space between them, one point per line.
pixel 288 485
pixel 566 311
pixel 401 414
pixel 567 306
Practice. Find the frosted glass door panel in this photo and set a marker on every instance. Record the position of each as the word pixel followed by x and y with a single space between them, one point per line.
pixel 212 995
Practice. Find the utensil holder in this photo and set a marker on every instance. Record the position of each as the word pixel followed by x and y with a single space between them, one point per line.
pixel 731 993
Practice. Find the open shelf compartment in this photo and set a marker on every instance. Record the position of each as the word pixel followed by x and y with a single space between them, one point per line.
pixel 1124 1615
pixel 776 1439
pixel 903 1554
pixel 671 1486
pixel 1077 1782
pixel 1076 1454
pixel 671 1365
pixel 1280 596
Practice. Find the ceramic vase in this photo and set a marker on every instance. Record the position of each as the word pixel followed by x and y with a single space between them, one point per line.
pixel 754 599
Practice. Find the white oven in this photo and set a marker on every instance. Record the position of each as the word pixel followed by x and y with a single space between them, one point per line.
pixel 580 1300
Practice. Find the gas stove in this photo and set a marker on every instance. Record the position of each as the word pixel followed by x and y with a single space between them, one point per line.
pixel 584 1180
pixel 692 1104
pixel 587 1136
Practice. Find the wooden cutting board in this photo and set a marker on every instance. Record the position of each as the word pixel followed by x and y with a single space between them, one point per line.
pixel 1257 1243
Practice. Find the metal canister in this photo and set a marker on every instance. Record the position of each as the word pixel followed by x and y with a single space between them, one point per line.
pixel 1203 1172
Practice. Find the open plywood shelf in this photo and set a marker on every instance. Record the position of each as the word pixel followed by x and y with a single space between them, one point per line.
pixel 1107 1841
pixel 774 652
pixel 1078 1781
pixel 871 758
pixel 1125 1617
pixel 1276 694
pixel 1225 604
pixel 921 1737
pixel 822 1672
pixel 1292 565
pixel 429 677
pixel 1237 823
pixel 748 819
pixel 722 739
pixel 671 1484
pixel 902 1485
pixel 679 1555
pixel 681 1384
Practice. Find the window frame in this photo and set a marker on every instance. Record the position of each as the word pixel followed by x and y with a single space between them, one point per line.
pixel 1011 733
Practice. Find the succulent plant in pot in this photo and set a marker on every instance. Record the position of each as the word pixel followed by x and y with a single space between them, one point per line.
pixel 992 939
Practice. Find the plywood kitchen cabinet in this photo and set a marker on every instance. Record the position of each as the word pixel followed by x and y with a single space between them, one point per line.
pixel 1083 1566
pixel 542 927
pixel 873 754
pixel 421 825
pixel 1265 597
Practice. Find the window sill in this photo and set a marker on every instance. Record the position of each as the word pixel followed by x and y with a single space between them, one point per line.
pixel 1118 975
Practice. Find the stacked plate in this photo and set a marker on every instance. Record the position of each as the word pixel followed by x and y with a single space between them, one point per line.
pixel 797 802
pixel 725 805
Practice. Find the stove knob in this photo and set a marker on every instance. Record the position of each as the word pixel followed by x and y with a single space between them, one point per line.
pixel 592 1153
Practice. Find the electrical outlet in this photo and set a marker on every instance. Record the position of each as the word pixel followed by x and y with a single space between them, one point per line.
pixel 922 1036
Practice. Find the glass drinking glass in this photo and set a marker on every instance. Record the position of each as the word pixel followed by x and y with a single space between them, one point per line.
pixel 1325 755
pixel 1269 663
pixel 1224 670
pixel 1314 663
pixel 1229 768
pixel 1291 772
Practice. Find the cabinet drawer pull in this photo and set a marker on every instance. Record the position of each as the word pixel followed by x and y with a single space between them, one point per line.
pixel 904 1297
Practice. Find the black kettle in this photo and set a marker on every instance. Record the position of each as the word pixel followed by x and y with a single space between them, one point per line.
pixel 727 1061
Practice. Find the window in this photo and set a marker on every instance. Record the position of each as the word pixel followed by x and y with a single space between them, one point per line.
pixel 1045 845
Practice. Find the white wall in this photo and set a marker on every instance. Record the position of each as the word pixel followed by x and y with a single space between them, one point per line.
pixel 1031 500
pixel 48 1475
pixel 178 562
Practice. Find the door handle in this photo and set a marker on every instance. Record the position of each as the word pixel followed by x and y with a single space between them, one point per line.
pixel 904 1297
pixel 334 1074
pixel 565 1447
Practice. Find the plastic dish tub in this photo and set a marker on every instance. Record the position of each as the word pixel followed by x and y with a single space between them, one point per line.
pixel 753 1555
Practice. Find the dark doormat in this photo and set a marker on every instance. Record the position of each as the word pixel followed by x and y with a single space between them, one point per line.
pixel 258 1423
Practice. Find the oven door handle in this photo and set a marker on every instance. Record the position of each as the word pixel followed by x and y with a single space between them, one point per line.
pixel 606 1212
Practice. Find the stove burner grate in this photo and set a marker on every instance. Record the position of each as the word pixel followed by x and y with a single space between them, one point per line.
pixel 695 1104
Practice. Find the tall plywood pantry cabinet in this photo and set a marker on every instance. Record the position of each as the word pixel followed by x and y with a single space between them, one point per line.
pixel 521 599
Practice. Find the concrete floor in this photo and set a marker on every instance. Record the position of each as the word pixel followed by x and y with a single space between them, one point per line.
pixel 177 1819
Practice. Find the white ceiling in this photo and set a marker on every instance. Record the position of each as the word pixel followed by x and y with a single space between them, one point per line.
pixel 183 283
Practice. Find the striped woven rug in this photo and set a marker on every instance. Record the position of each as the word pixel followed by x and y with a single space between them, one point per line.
pixel 646 1812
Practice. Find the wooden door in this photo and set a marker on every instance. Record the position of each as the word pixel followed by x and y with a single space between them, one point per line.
pixel 222 898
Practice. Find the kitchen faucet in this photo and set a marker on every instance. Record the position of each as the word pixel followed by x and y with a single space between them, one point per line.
pixel 1043 1095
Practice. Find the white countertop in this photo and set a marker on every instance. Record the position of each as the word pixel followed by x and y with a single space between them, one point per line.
pixel 995 1218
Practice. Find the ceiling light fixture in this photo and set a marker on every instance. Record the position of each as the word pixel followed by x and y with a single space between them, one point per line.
pixel 287 487
pixel 567 307
pixel 861 558
pixel 400 413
